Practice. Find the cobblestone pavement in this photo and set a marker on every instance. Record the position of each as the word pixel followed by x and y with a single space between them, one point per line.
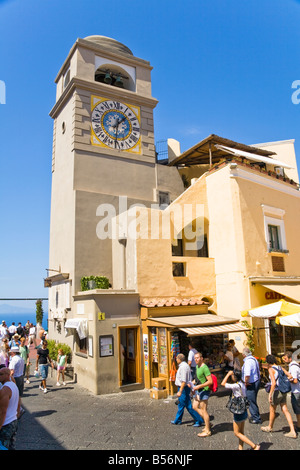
pixel 71 418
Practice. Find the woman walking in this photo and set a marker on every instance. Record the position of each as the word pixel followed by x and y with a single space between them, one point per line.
pixel 42 362
pixel 276 397
pixel 238 389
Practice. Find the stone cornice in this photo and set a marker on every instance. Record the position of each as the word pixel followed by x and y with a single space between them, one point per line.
pixel 103 52
pixel 104 90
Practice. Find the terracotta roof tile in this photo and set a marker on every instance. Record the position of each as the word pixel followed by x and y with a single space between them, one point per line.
pixel 171 302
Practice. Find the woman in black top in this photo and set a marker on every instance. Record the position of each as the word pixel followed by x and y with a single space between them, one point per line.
pixel 42 362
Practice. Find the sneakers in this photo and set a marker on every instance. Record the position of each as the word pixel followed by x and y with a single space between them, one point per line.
pixel 28 381
pixel 45 390
pixel 41 388
pixel 57 384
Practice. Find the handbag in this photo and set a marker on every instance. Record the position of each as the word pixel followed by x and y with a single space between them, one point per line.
pixel 238 405
pixel 268 387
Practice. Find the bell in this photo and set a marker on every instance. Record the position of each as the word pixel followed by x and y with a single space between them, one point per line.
pixel 107 78
pixel 119 82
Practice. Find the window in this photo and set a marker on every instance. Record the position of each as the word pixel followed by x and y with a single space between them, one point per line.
pixel 163 199
pixel 274 229
pixel 203 252
pixel 177 247
pixel 179 269
pixel 66 78
pixel 274 238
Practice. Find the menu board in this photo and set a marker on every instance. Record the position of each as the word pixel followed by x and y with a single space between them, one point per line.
pixel 106 345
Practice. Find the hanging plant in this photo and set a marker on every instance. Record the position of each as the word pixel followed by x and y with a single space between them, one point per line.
pixel 250 335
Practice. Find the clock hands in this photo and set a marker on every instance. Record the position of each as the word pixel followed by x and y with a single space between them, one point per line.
pixel 116 126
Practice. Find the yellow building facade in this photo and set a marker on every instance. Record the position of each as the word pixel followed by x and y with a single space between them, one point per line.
pixel 187 244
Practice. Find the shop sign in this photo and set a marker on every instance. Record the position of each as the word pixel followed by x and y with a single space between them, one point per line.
pixel 271 295
pixel 101 316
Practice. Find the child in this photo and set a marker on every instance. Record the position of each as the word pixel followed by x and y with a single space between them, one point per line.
pixel 239 389
pixel 61 361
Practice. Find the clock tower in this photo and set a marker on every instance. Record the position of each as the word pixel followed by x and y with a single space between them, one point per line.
pixel 103 148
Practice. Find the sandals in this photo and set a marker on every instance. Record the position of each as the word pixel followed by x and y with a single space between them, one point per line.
pixel 291 434
pixel 204 434
pixel 266 429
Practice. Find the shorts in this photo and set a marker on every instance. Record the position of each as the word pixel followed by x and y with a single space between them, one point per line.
pixel 240 418
pixel 8 435
pixel 295 399
pixel 202 395
pixel 279 398
pixel 60 367
pixel 44 371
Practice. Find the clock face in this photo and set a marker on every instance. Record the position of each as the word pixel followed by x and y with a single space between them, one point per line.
pixel 115 125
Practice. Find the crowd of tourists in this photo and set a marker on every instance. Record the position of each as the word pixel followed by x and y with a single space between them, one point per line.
pixel 15 343
pixel 195 383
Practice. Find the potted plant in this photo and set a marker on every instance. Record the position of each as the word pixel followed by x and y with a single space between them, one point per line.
pixel 94 282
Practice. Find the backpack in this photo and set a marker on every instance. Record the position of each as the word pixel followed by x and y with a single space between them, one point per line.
pixel 214 386
pixel 283 383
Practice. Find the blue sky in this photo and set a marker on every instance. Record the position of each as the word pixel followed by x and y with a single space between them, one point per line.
pixel 222 67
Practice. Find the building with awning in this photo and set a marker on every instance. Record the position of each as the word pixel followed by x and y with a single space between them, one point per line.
pixel 277 318
pixel 183 243
pixel 182 321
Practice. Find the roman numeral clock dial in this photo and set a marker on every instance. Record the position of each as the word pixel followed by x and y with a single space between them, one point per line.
pixel 115 125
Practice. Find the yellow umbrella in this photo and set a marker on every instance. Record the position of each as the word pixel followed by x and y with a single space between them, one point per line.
pixel 278 309
pixel 287 308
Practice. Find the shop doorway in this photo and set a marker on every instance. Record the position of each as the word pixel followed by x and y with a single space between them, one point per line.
pixel 128 355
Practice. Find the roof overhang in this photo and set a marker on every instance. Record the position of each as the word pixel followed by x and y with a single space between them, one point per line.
pixel 48 281
pixel 206 152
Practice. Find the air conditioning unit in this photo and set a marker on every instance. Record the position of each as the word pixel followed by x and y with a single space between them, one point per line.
pixel 279 170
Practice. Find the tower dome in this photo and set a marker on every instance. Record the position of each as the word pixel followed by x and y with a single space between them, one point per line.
pixel 109 43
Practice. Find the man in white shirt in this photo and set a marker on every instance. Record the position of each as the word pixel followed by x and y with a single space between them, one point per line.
pixel 12 329
pixel 294 370
pixel 251 378
pixel 183 378
pixel 3 330
pixel 16 366
pixel 9 409
pixel 191 359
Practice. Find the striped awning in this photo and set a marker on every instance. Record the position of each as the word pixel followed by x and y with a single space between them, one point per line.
pixel 186 321
pixel 215 330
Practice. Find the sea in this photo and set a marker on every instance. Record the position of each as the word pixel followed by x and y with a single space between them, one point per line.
pixel 23 317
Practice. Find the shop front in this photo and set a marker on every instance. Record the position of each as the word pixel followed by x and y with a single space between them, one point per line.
pixel 277 318
pixel 168 331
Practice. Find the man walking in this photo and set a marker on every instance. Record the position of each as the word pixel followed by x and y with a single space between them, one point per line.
pixel 16 366
pixel 251 378
pixel 9 410
pixel 203 380
pixel 183 377
pixel 294 370
pixel 191 359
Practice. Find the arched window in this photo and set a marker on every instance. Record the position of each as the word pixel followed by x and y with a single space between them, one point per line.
pixel 114 75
